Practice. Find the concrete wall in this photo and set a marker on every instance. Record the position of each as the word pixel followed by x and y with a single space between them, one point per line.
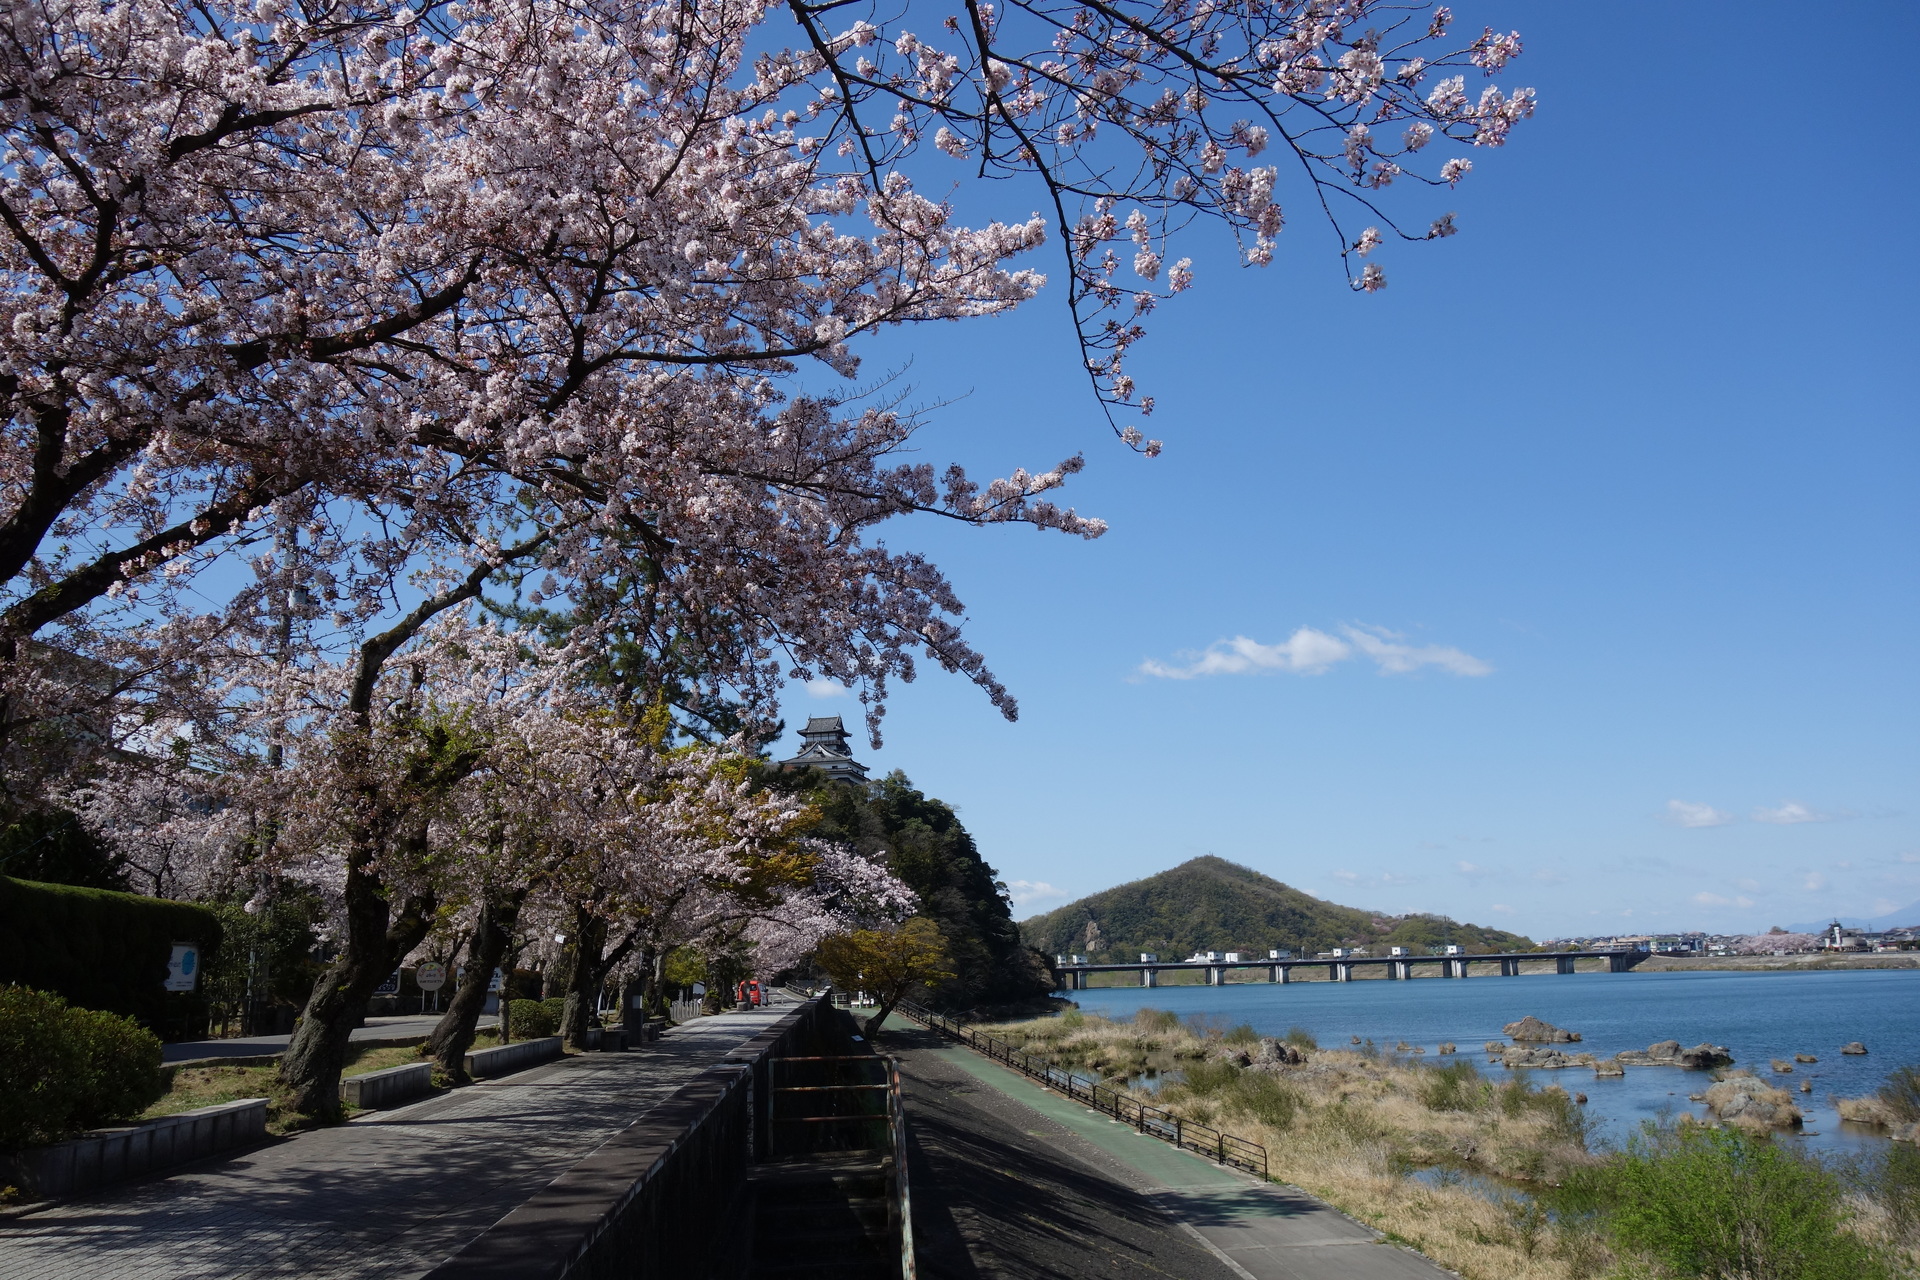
pixel 110 1155
pixel 377 1089
pixel 509 1058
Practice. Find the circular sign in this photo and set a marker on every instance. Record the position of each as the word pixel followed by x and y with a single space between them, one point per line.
pixel 430 976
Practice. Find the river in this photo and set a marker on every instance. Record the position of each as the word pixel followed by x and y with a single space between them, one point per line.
pixel 1757 1015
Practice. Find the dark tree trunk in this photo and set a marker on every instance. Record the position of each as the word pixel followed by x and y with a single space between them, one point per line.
pixel 492 935
pixel 376 942
pixel 591 964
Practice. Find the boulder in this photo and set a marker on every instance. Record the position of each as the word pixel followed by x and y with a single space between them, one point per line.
pixel 1745 1100
pixel 1535 1031
pixel 1910 1133
pixel 1526 1056
pixel 1804 1057
pixel 1445 1048
pixel 1665 1051
pixel 1782 1067
pixel 1496 1046
pixel 1632 1057
pixel 1580 1098
pixel 1806 1086
pixel 1610 1067
pixel 1853 1047
pixel 1277 1053
pixel 1704 1057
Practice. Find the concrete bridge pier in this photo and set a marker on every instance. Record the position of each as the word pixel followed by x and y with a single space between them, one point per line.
pixel 1456 967
pixel 1402 969
pixel 1342 971
pixel 1149 977
pixel 1563 964
pixel 1216 976
pixel 1509 968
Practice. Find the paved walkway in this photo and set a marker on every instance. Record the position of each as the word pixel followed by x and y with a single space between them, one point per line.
pixel 1252 1230
pixel 388 1196
pixel 259 1046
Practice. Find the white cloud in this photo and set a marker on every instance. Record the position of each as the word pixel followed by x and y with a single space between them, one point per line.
pixel 1384 647
pixel 1311 652
pixel 1814 882
pixel 1024 891
pixel 1686 814
pixel 1792 813
pixel 1473 871
pixel 1502 908
pixel 1347 877
pixel 1715 900
pixel 821 687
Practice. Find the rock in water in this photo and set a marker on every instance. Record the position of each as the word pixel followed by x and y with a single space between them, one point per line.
pixel 1532 1029
pixel 1804 1057
pixel 1745 1100
pixel 1665 1051
pixel 1610 1067
pixel 1853 1046
pixel 1806 1086
pixel 1704 1057
pixel 1445 1048
pixel 1782 1067
pixel 1496 1046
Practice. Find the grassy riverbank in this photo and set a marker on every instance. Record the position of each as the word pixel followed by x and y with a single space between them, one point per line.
pixel 1813 963
pixel 1452 1159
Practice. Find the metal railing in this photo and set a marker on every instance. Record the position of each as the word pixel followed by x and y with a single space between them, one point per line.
pixel 1146 1118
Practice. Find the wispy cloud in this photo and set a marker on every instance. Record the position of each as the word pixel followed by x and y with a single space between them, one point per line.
pixel 1502 908
pixel 1684 813
pixel 1311 652
pixel 1715 900
pixel 1473 871
pixel 821 687
pixel 1814 882
pixel 1024 891
pixel 1792 813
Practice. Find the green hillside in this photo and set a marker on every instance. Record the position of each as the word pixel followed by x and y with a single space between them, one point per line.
pixel 1210 904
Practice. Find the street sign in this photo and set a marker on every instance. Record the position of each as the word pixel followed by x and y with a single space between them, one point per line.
pixel 391 987
pixel 183 967
pixel 430 976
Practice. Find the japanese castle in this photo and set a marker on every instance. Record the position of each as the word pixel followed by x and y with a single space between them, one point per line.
pixel 823 746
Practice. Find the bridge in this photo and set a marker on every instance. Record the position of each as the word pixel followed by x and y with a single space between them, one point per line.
pixel 1073 977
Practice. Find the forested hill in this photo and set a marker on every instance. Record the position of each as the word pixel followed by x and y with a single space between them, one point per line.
pixel 1210 904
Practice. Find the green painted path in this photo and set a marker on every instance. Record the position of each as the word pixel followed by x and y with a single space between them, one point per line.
pixel 1261 1230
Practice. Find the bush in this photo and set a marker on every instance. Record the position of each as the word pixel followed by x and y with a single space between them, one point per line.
pixel 1242 1034
pixel 556 1007
pixel 1723 1203
pixel 1454 1087
pixel 1156 1021
pixel 1267 1098
pixel 1301 1038
pixel 64 1069
pixel 531 1019
pixel 1901 1094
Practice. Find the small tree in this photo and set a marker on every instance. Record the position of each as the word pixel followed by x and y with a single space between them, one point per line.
pixel 887 962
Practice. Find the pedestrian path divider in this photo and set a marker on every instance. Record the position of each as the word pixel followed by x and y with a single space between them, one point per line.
pixel 509 1058
pixel 1146 1118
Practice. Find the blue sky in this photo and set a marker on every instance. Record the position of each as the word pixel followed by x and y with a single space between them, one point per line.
pixel 1624 472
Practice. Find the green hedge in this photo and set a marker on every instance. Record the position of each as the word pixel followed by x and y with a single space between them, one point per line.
pixel 63 1070
pixel 103 950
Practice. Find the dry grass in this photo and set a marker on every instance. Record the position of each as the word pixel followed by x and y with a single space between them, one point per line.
pixel 1352 1126
pixel 196 1087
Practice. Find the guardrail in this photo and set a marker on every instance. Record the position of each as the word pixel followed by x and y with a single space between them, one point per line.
pixel 1154 1121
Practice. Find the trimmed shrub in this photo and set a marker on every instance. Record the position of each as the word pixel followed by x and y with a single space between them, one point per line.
pixel 103 950
pixel 556 1007
pixel 64 1069
pixel 532 1020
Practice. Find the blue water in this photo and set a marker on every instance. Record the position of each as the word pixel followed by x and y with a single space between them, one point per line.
pixel 1758 1016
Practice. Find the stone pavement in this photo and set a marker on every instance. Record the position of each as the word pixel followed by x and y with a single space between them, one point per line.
pixel 260 1046
pixel 1254 1230
pixel 390 1195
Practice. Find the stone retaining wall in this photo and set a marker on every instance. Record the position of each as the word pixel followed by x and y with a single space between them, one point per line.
pixel 112 1155
pixel 509 1058
pixel 394 1085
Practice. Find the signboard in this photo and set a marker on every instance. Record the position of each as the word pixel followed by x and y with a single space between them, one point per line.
pixel 391 987
pixel 498 983
pixel 183 967
pixel 430 976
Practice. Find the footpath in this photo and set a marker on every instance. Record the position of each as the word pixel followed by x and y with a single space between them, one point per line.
pixel 393 1028
pixel 389 1195
pixel 1011 1181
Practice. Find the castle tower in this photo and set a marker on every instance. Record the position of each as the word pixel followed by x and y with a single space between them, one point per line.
pixel 823 746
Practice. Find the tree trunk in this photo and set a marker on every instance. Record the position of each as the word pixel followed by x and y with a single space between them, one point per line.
pixel 583 984
pixel 492 935
pixel 375 943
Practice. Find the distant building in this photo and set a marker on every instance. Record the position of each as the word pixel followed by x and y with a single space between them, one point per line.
pixel 823 746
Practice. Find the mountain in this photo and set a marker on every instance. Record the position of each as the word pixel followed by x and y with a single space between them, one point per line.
pixel 1210 904
pixel 1909 915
